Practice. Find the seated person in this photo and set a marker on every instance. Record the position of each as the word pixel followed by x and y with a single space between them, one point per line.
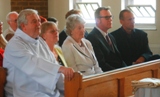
pixel 103 42
pixel 49 32
pixel 3 41
pixel 32 70
pixel 63 35
pixel 12 22
pixel 1 57
pixel 78 51
pixel 9 36
pixel 43 19
pixel 131 42
pixel 52 19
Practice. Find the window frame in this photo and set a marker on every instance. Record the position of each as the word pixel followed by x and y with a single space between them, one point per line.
pixel 90 23
pixel 143 26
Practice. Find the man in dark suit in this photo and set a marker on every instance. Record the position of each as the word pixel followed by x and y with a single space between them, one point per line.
pixel 63 35
pixel 103 43
pixel 132 43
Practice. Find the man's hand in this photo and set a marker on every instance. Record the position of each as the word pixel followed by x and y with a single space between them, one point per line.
pixel 140 60
pixel 68 72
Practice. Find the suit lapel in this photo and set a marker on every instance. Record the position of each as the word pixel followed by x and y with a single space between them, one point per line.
pixel 103 40
pixel 91 55
pixel 76 46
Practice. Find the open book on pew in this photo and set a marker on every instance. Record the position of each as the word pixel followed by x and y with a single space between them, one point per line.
pixel 115 83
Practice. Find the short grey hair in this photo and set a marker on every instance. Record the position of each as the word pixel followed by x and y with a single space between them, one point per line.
pixel 121 14
pixel 72 21
pixel 22 18
pixel 10 13
pixel 98 10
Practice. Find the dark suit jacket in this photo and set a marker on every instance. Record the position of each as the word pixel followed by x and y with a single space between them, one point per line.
pixel 63 36
pixel 132 46
pixel 108 60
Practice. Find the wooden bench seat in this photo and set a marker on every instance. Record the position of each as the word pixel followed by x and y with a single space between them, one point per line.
pixel 115 83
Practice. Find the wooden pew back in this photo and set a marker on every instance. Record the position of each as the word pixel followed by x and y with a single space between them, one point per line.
pixel 116 83
pixel 3 74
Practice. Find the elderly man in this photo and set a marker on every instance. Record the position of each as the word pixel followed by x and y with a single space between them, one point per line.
pixel 12 22
pixel 32 69
pixel 103 43
pixel 132 43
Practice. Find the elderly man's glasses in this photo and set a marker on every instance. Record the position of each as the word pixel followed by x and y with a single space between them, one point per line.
pixel 106 17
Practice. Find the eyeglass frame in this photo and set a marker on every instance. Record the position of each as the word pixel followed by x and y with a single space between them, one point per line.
pixel 106 17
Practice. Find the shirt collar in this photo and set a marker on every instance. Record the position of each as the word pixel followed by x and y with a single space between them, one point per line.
pixel 102 32
pixel 11 29
pixel 26 37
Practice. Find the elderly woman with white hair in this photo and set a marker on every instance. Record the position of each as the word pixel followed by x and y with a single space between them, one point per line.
pixel 78 51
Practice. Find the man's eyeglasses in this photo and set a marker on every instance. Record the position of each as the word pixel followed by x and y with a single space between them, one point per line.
pixel 106 17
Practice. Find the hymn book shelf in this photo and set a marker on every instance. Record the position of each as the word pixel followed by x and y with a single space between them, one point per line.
pixel 115 83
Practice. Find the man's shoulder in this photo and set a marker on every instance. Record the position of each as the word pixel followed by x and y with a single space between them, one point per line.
pixel 116 32
pixel 93 32
pixel 139 32
pixel 62 33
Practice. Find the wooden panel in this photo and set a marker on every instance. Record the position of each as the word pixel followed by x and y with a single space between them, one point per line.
pixel 129 79
pixel 104 89
pixel 2 80
pixel 158 73
pixel 115 83
pixel 73 85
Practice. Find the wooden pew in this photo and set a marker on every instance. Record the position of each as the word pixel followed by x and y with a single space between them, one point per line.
pixel 3 74
pixel 115 83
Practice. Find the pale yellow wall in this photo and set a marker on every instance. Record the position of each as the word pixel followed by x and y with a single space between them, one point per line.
pixel 58 9
pixel 4 9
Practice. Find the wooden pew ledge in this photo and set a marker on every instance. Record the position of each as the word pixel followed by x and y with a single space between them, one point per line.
pixel 115 83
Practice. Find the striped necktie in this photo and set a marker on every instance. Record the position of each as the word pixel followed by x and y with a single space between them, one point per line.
pixel 109 42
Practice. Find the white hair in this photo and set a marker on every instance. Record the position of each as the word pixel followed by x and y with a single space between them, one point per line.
pixel 23 15
pixel 10 13
pixel 72 21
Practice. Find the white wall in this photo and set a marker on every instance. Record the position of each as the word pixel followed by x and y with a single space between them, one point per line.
pixel 4 9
